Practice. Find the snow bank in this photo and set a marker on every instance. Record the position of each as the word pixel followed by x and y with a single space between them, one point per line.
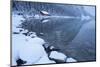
pixel 27 48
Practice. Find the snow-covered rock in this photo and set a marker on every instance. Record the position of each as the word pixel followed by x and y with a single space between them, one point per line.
pixel 52 47
pixel 71 60
pixel 44 12
pixel 57 55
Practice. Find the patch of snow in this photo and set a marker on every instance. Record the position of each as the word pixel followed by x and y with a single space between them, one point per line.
pixel 24 31
pixel 28 16
pixel 57 55
pixel 71 60
pixel 52 47
pixel 16 21
pixel 44 12
pixel 36 16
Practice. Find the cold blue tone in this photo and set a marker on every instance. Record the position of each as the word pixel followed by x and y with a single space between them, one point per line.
pixel 69 29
